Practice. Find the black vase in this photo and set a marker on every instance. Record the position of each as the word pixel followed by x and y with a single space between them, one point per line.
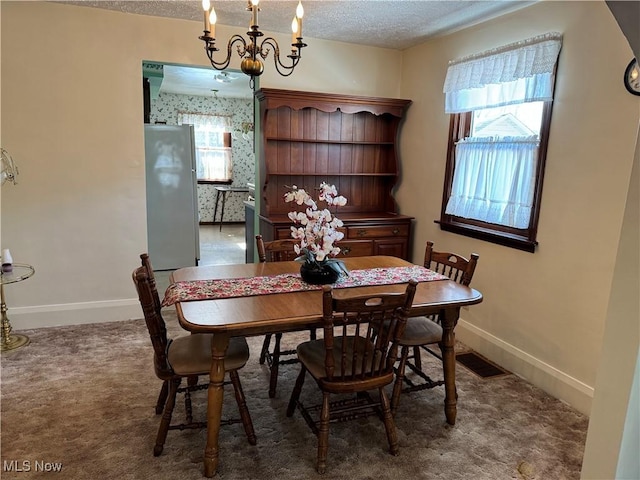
pixel 318 274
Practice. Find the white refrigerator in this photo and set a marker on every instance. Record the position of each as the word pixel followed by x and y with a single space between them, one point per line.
pixel 172 203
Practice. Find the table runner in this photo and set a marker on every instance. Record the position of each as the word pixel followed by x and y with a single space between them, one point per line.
pixel 290 282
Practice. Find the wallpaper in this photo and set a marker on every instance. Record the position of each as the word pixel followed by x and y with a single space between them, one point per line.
pixel 165 109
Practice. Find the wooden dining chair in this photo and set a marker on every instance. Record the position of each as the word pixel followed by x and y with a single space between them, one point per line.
pixel 164 391
pixel 353 359
pixel 186 357
pixel 192 380
pixel 276 251
pixel 423 332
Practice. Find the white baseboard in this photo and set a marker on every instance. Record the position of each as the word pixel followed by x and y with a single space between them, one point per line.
pixel 23 318
pixel 544 376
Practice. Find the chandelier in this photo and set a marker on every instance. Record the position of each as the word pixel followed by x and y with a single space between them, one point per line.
pixel 250 51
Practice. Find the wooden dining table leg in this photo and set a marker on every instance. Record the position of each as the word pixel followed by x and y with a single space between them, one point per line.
pixel 219 345
pixel 449 318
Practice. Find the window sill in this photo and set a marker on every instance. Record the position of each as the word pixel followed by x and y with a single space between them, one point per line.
pixel 501 238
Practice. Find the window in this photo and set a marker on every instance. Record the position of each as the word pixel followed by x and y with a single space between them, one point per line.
pixel 500 103
pixel 212 144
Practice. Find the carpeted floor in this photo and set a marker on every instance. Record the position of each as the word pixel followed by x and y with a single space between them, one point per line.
pixel 83 397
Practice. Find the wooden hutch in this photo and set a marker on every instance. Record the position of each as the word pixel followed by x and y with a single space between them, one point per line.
pixel 348 141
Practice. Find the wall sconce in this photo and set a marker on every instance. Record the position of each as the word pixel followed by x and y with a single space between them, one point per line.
pixel 8 168
pixel 246 128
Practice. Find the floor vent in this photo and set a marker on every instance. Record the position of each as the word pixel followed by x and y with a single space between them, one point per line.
pixel 480 365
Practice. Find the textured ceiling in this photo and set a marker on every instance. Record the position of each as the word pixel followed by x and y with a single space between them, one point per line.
pixel 396 24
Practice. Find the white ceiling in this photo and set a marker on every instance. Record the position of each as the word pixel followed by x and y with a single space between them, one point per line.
pixel 205 82
pixel 396 24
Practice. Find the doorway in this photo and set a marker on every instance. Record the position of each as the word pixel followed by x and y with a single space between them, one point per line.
pixel 177 89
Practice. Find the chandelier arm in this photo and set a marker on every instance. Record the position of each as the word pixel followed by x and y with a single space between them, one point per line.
pixel 284 70
pixel 225 63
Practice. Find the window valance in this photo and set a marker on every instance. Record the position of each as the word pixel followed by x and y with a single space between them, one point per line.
pixel 515 73
pixel 213 122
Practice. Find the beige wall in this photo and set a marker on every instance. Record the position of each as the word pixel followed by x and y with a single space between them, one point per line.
pixel 72 120
pixel 609 453
pixel 543 315
pixel 613 440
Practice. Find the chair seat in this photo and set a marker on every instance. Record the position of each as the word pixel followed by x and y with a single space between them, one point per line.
pixel 312 356
pixel 421 331
pixel 191 354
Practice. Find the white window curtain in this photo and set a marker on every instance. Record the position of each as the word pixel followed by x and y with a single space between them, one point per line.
pixel 515 73
pixel 213 158
pixel 494 177
pixel 494 180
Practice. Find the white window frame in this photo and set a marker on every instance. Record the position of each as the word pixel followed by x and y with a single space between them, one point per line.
pixel 212 146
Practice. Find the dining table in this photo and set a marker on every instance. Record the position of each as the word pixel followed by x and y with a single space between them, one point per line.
pixel 250 310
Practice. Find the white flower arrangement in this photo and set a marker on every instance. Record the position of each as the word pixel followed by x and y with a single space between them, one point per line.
pixel 317 230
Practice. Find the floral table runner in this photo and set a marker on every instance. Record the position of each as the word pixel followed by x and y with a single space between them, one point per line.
pixel 290 282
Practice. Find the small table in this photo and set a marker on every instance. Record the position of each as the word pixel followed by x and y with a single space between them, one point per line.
pixel 224 190
pixel 21 271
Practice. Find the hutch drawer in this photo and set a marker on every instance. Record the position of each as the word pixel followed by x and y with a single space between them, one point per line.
pixel 355 248
pixel 378 231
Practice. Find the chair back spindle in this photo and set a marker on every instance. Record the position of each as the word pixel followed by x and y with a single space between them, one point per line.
pixel 369 327
pixel 456 267
pixel 146 263
pixel 276 250
pixel 155 323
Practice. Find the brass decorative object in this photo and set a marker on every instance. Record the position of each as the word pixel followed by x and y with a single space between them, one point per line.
pixel 9 341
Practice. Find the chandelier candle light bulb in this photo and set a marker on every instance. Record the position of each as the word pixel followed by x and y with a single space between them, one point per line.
pixel 296 27
pixel 206 5
pixel 294 34
pixel 210 19
pixel 213 18
pixel 254 13
pixel 299 15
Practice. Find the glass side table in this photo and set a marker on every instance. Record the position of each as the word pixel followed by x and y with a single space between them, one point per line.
pixel 21 271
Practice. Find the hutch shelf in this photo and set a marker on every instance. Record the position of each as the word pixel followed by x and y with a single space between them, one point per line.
pixel 349 141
